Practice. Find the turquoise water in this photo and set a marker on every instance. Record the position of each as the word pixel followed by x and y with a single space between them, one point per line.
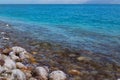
pixel 91 27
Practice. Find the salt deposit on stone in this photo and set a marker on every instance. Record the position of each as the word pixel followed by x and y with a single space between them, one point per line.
pixel 17 64
pixel 13 56
pixel 17 75
pixel 57 75
pixel 17 49
pixel 9 63
pixel 42 72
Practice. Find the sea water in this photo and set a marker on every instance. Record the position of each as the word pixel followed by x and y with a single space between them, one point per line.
pixel 91 27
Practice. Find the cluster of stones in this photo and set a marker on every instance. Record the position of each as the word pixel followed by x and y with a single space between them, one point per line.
pixel 16 64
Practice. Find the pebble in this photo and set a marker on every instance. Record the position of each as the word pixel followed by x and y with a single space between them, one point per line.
pixel 7 25
pixel 42 72
pixel 18 74
pixel 81 58
pixel 13 56
pixel 57 75
pixel 22 55
pixel 34 52
pixel 74 72
pixel 3 33
pixel 5 38
pixel 7 51
pixel 20 65
pixel 17 49
pixel 9 63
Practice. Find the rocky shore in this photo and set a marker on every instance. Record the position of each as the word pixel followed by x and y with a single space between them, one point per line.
pixel 17 64
pixel 25 58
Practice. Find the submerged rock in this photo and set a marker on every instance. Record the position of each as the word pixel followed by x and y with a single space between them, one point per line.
pixel 82 58
pixel 13 56
pixel 7 25
pixel 9 63
pixel 20 65
pixel 57 75
pixel 17 49
pixel 42 72
pixel 5 38
pixel 74 72
pixel 17 75
pixel 22 55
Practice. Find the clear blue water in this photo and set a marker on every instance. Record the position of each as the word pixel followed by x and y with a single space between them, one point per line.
pixel 90 27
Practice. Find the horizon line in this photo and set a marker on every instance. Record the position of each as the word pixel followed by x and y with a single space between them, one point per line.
pixel 62 4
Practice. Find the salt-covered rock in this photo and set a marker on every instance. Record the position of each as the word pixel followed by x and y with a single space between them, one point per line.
pixel 9 63
pixel 20 65
pixel 5 38
pixel 42 72
pixel 17 75
pixel 3 33
pixel 13 56
pixel 17 49
pixel 32 79
pixel 22 55
pixel 57 75
pixel 2 69
pixel 28 74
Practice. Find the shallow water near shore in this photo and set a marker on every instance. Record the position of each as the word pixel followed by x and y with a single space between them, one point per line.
pixel 86 64
pixel 91 27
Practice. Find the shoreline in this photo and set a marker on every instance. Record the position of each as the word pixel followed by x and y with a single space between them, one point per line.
pixel 90 65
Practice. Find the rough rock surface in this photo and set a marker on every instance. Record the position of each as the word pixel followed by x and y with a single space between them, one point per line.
pixel 13 69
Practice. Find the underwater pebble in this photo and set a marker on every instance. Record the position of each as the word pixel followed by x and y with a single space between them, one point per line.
pixel 17 49
pixel 5 38
pixel 57 75
pixel 3 33
pixel 42 72
pixel 7 25
pixel 74 72
pixel 81 58
pixel 18 74
pixel 22 55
